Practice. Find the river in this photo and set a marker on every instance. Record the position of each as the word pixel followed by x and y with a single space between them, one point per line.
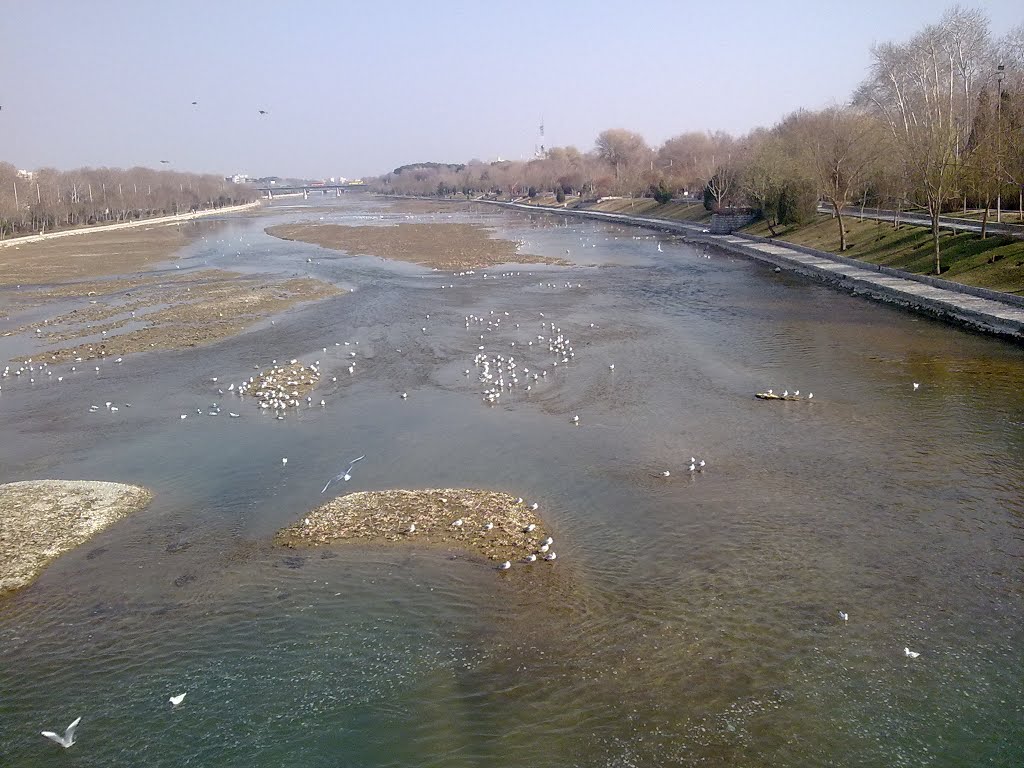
pixel 689 620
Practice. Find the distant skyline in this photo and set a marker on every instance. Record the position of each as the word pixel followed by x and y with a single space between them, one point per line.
pixel 355 90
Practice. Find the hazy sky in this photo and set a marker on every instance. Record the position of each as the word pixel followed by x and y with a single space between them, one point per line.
pixel 357 88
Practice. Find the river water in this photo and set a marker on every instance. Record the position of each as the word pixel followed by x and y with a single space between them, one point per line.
pixel 690 620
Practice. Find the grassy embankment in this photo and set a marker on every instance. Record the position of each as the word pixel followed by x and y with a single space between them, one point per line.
pixel 997 262
pixel 632 206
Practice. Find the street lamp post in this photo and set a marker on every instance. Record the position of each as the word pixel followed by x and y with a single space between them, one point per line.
pixel 999 142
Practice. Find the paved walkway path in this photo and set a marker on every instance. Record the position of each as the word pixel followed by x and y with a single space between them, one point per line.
pixel 983 310
pixel 954 223
pixel 1003 316
pixel 127 224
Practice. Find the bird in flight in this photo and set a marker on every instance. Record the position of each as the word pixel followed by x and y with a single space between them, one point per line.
pixel 343 476
pixel 264 112
pixel 67 739
pixel 165 162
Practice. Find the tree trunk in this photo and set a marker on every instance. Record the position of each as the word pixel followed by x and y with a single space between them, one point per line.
pixel 934 209
pixel 984 220
pixel 842 232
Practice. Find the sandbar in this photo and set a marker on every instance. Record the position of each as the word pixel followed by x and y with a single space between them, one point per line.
pixel 450 247
pixel 42 519
pixel 379 517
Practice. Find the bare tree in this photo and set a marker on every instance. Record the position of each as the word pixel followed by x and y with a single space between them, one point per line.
pixel 924 92
pixel 626 153
pixel 841 146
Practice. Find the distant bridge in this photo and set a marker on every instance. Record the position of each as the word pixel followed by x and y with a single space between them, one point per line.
pixel 305 189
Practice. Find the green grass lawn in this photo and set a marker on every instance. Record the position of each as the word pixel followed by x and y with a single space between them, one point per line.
pixel 996 262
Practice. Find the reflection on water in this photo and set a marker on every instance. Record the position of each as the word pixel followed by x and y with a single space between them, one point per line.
pixel 689 620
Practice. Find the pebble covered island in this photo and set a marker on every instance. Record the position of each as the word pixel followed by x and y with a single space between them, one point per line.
pixel 496 526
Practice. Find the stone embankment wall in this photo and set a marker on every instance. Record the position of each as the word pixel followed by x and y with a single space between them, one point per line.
pixel 727 223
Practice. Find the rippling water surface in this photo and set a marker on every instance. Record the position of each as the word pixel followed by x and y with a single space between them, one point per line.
pixel 688 621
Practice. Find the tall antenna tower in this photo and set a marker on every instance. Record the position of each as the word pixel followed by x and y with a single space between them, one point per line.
pixel 538 149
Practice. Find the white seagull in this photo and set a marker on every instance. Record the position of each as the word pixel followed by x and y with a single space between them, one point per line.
pixel 68 739
pixel 505 566
pixel 343 476
pixel 844 616
pixel 916 385
pixel 176 700
pixel 911 654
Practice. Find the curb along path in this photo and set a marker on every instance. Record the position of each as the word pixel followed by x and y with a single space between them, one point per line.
pixel 980 309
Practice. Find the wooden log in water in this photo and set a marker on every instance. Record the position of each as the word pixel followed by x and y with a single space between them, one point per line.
pixel 771 396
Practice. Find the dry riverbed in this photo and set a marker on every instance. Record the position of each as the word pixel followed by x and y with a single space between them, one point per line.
pixel 95 254
pixel 117 308
pixel 450 247
pixel 381 517
pixel 42 519
pixel 196 308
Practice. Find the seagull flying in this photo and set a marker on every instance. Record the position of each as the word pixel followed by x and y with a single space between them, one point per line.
pixel 343 476
pixel 68 738
pixel 910 655
pixel 264 112
pixel 844 616
pixel 176 700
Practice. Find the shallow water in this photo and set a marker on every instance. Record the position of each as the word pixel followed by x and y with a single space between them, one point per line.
pixel 686 621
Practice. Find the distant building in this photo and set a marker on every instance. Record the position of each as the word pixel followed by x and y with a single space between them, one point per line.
pixel 27 175
pixel 238 178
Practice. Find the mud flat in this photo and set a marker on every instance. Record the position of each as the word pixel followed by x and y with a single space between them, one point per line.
pixel 42 519
pixel 100 254
pixel 193 309
pixel 450 247
pixel 381 517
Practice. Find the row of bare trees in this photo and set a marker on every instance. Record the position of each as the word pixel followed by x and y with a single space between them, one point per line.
pixel 49 199
pixel 938 123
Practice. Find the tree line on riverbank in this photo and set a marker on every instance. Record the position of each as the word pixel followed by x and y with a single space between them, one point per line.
pixel 937 124
pixel 48 199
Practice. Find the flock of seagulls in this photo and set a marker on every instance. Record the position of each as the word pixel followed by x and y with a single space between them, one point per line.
pixel 278 389
pixel 696 465
pixel 501 373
